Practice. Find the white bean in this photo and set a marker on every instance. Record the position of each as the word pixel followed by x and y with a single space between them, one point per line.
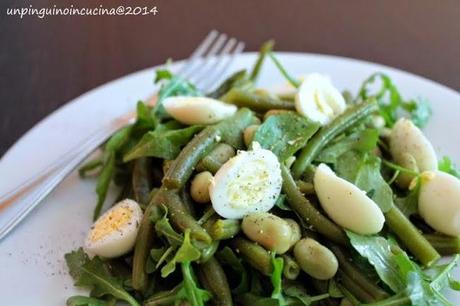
pixel 439 201
pixel 411 149
pixel 315 259
pixel 248 134
pixel 199 189
pixel 346 204
pixel 270 231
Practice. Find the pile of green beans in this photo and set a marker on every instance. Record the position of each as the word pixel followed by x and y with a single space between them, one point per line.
pixel 237 261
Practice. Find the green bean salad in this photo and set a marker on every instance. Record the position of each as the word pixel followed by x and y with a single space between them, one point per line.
pixel 248 196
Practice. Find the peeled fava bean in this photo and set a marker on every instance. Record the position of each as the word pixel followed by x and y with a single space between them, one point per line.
pixel 270 231
pixel 296 233
pixel 439 202
pixel 199 189
pixel 315 259
pixel 346 204
pixel 411 149
pixel 198 110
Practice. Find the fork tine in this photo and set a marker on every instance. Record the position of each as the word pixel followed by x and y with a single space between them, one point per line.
pixel 206 60
pixel 199 51
pixel 226 62
pixel 218 60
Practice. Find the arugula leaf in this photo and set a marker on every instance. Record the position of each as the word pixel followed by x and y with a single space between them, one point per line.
pixel 409 204
pixel 419 110
pixel 362 141
pixel 276 278
pixel 162 74
pixel 146 119
pixel 333 289
pixel 297 296
pixel 187 252
pixel 441 277
pixel 289 294
pixel 94 274
pixel 165 229
pixel 190 290
pixel 162 144
pixel 281 203
pixel 79 300
pixel 391 102
pixel 186 291
pixel 402 275
pixel 420 293
pixel 379 253
pixel 227 257
pixel 363 170
pixel 446 165
pixel 113 145
pixel 285 133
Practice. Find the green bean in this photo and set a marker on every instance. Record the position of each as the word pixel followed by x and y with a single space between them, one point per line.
pixel 445 245
pixel 213 278
pixel 411 237
pixel 291 80
pixel 126 192
pixel 355 275
pixel 230 82
pixel 257 101
pixel 288 96
pixel 340 124
pixel 348 295
pixel 322 286
pixel 305 187
pixel 141 180
pixel 400 299
pixel 254 254
pixel 224 229
pixel 90 166
pixel 166 165
pixel 216 158
pixel 156 173
pixel 354 288
pixel 144 242
pixel 229 130
pixel 291 268
pixel 208 251
pixel 163 298
pixel 187 201
pixel 264 50
pixel 310 215
pixel 180 218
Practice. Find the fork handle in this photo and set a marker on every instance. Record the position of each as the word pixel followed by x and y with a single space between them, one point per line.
pixel 36 190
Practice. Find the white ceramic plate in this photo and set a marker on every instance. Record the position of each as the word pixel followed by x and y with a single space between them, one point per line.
pixel 31 257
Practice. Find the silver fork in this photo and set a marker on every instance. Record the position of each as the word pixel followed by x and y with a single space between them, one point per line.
pixel 205 67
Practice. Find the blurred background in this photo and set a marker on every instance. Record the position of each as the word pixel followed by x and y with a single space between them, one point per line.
pixel 44 63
